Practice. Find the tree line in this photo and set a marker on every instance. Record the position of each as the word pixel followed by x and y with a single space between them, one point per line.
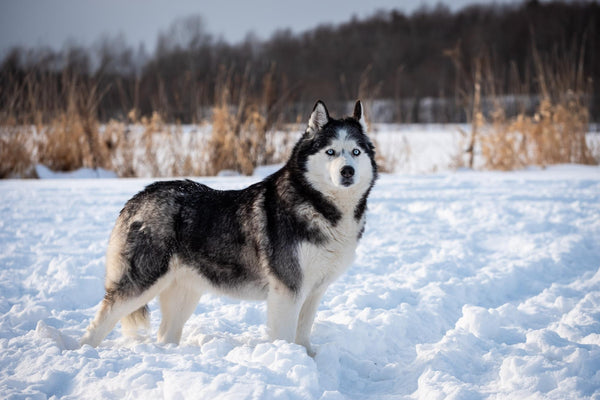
pixel 392 56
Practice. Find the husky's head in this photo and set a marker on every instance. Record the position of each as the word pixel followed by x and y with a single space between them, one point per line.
pixel 335 155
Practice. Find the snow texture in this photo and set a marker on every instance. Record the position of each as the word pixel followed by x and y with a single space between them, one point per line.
pixel 467 285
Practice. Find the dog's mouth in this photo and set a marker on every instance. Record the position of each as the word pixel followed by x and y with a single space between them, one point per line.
pixel 347 181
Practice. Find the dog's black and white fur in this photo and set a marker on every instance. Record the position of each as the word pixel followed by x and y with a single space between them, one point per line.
pixel 283 240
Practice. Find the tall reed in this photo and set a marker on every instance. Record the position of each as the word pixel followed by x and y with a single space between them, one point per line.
pixel 554 133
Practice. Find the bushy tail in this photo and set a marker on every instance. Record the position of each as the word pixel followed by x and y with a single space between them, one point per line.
pixel 137 320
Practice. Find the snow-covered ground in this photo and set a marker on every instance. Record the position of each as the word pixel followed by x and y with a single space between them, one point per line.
pixel 466 285
pixel 418 149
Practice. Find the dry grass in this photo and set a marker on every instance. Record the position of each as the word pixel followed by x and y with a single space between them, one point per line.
pixel 68 142
pixel 147 147
pixel 53 125
pixel 15 154
pixel 71 141
pixel 152 148
pixel 239 139
pixel 70 137
pixel 555 134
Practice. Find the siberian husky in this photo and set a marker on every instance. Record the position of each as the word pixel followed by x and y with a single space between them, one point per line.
pixel 283 240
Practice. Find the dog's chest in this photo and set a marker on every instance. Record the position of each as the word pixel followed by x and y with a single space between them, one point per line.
pixel 323 262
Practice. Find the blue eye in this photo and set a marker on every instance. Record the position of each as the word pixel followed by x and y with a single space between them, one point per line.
pixel 330 152
pixel 356 152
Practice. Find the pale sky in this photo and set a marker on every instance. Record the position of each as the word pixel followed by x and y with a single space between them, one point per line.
pixel 54 23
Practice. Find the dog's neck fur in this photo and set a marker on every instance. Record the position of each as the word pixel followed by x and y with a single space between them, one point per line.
pixel 296 182
pixel 334 204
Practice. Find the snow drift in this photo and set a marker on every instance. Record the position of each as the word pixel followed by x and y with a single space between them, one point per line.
pixel 466 285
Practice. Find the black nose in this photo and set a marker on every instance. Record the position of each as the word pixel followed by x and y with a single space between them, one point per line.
pixel 347 172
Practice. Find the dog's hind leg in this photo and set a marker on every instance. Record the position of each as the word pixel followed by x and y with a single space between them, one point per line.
pixel 117 305
pixel 132 323
pixel 177 304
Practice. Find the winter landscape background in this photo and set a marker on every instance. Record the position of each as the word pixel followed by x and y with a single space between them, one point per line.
pixel 478 275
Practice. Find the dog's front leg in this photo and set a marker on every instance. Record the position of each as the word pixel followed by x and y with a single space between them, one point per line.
pixel 307 317
pixel 283 307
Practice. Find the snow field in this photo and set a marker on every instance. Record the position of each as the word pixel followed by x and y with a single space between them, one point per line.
pixel 466 285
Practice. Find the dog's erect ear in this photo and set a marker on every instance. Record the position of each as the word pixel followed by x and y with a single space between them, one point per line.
pixel 318 118
pixel 359 116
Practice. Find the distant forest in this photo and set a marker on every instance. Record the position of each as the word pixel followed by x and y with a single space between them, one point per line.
pixel 403 61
